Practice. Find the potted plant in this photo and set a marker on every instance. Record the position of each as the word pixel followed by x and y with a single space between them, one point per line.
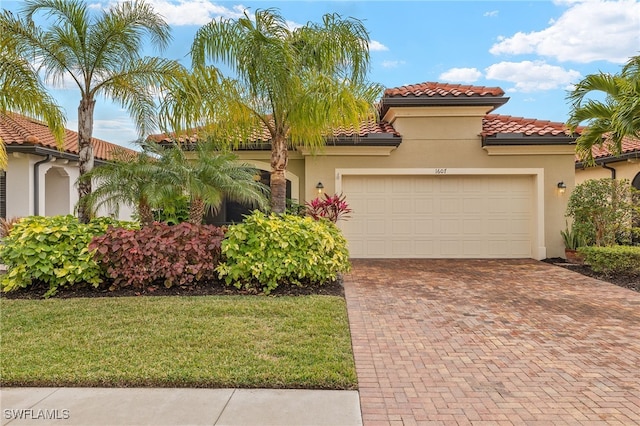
pixel 572 240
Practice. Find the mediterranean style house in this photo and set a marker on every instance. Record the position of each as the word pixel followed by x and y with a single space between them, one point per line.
pixel 40 178
pixel 439 175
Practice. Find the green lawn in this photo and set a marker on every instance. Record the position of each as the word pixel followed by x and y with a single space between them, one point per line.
pixel 206 341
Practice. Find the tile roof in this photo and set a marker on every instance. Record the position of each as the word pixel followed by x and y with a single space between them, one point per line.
pixel 434 89
pixel 365 129
pixel 16 129
pixel 492 124
pixel 629 145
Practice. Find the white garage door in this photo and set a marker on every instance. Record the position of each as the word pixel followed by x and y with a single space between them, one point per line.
pixel 467 216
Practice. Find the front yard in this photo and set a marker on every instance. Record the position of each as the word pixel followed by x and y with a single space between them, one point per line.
pixel 203 341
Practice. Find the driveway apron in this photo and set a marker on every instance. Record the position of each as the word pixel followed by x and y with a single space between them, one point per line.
pixel 492 342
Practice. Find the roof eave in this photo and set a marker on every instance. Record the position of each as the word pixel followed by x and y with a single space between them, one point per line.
pixel 43 151
pixel 611 159
pixel 521 139
pixel 415 101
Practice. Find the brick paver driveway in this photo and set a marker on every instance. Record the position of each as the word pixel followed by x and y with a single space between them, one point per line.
pixel 492 342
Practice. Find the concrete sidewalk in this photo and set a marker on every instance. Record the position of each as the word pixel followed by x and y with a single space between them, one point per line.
pixel 163 406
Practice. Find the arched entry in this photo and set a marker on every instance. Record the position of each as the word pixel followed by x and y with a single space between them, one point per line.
pixel 56 192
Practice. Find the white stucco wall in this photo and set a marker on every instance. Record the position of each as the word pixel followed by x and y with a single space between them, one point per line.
pixel 57 188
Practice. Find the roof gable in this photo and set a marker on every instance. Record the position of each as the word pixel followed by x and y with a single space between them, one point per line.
pixel 441 94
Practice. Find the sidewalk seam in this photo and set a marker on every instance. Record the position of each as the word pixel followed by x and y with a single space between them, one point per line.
pixel 215 422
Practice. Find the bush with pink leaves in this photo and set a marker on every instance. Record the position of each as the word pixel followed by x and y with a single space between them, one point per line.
pixel 332 207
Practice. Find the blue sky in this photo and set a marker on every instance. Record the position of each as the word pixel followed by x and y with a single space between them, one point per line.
pixel 533 50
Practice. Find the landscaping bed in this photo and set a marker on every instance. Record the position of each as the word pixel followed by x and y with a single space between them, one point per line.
pixel 630 281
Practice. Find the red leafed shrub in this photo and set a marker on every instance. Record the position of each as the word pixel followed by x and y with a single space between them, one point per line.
pixel 176 255
pixel 332 207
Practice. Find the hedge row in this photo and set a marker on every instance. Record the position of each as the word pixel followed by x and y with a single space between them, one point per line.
pixel 261 253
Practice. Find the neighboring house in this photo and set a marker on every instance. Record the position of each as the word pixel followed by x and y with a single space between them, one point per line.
pixel 439 177
pixel 623 166
pixel 40 179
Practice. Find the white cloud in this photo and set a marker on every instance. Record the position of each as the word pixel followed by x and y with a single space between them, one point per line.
pixel 188 12
pixel 392 64
pixel 463 75
pixel 531 76
pixel 491 14
pixel 376 46
pixel 587 31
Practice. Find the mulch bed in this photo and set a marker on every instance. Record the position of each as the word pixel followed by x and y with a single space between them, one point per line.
pixel 336 288
pixel 630 281
pixel 214 288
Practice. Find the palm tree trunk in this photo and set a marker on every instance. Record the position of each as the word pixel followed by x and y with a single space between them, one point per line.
pixel 85 154
pixel 279 160
pixel 196 211
pixel 145 213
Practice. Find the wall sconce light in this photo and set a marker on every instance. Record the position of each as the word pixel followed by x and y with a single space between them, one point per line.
pixel 319 187
pixel 562 187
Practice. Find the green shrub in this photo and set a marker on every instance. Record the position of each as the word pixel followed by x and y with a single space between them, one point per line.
pixel 182 254
pixel 53 250
pixel 265 251
pixel 613 259
pixel 602 210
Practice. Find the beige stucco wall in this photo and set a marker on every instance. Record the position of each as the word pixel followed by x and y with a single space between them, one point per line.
pixel 624 170
pixel 436 137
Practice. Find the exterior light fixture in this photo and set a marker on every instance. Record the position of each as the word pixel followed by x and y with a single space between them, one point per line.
pixel 319 187
pixel 562 187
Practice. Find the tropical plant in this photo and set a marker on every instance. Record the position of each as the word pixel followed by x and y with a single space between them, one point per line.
pixel 100 54
pixel 609 120
pixel 572 238
pixel 183 254
pixel 601 210
pixel 264 252
pixel 129 179
pixel 207 177
pixel 22 91
pixel 297 86
pixel 53 250
pixel 332 207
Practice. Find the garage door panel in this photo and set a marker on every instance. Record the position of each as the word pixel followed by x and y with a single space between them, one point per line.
pixel 440 216
pixel 424 205
pixel 473 206
pixel 472 226
pixel 402 205
pixel 449 205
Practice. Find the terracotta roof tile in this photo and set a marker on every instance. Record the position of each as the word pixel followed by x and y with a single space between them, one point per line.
pixel 366 128
pixel 16 129
pixel 492 124
pixel 434 89
pixel 629 145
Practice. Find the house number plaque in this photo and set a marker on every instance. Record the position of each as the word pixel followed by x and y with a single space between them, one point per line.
pixel 441 171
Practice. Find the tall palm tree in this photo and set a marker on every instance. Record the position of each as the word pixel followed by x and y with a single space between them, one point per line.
pixel 298 84
pixel 609 120
pixel 22 91
pixel 100 54
pixel 207 177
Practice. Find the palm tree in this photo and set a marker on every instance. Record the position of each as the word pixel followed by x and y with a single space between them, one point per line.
pixel 100 54
pixel 207 177
pixel 128 178
pixel 22 91
pixel 297 84
pixel 609 120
